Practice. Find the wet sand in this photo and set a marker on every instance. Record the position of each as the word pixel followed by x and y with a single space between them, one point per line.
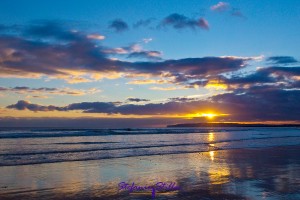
pixel 265 173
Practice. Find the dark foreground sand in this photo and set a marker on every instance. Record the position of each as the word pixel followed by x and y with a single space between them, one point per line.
pixel 269 173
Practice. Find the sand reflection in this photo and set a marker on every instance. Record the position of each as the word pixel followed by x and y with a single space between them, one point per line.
pixel 218 174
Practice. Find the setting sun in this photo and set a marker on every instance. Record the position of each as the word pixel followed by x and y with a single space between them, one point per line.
pixel 209 115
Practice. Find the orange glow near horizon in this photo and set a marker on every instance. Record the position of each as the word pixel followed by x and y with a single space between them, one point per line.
pixel 208 115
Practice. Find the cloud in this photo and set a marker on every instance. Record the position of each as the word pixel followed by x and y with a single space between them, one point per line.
pixel 35 57
pixel 50 29
pixel 252 104
pixel 147 40
pixel 118 25
pixel 118 50
pixel 147 81
pixel 96 37
pixel 73 57
pixel 287 71
pixel 136 99
pixel 183 99
pixel 203 23
pixel 26 105
pixel 135 51
pixel 281 77
pixel 220 7
pixel 46 90
pixel 282 59
pixel 260 76
pixel 106 107
pixel 178 21
pixel 262 103
pixel 151 55
pixel 168 88
pixel 143 23
pixel 196 67
pixel 37 96
pixel 237 13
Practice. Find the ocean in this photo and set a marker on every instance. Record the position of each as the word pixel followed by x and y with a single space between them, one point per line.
pixel 36 146
pixel 205 163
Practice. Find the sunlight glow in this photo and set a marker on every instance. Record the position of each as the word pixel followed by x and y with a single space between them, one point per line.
pixel 209 115
pixel 211 137
pixel 212 155
pixel 215 84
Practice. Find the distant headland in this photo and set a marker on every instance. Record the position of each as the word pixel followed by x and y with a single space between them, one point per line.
pixel 231 125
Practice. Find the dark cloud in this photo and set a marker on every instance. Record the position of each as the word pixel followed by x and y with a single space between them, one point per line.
pixel 92 107
pixel 23 57
pixel 264 103
pixel 37 57
pixel 260 76
pixel 118 25
pixel 27 89
pixel 143 23
pixel 197 67
pixel 51 29
pixel 295 84
pixel 289 71
pixel 183 99
pixel 237 13
pixel 25 105
pixel 136 100
pixel 282 59
pixel 111 108
pixel 46 90
pixel 282 77
pixel 178 21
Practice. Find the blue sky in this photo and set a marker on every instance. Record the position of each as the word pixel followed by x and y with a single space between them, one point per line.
pixel 269 27
pixel 249 36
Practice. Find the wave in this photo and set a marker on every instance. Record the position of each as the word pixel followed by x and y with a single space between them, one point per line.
pixel 49 133
pixel 38 146
pixel 29 162
pixel 138 147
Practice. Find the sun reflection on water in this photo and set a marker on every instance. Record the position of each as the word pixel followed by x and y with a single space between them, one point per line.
pixel 212 155
pixel 211 137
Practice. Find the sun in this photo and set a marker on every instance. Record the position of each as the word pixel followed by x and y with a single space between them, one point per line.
pixel 208 115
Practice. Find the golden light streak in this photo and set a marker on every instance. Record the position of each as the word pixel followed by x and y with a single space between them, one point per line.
pixel 212 155
pixel 215 84
pixel 211 137
pixel 208 115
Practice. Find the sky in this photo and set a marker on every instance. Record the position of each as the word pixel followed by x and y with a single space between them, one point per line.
pixel 138 63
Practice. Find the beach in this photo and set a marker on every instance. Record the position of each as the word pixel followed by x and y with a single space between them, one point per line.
pixel 149 100
pixel 250 170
